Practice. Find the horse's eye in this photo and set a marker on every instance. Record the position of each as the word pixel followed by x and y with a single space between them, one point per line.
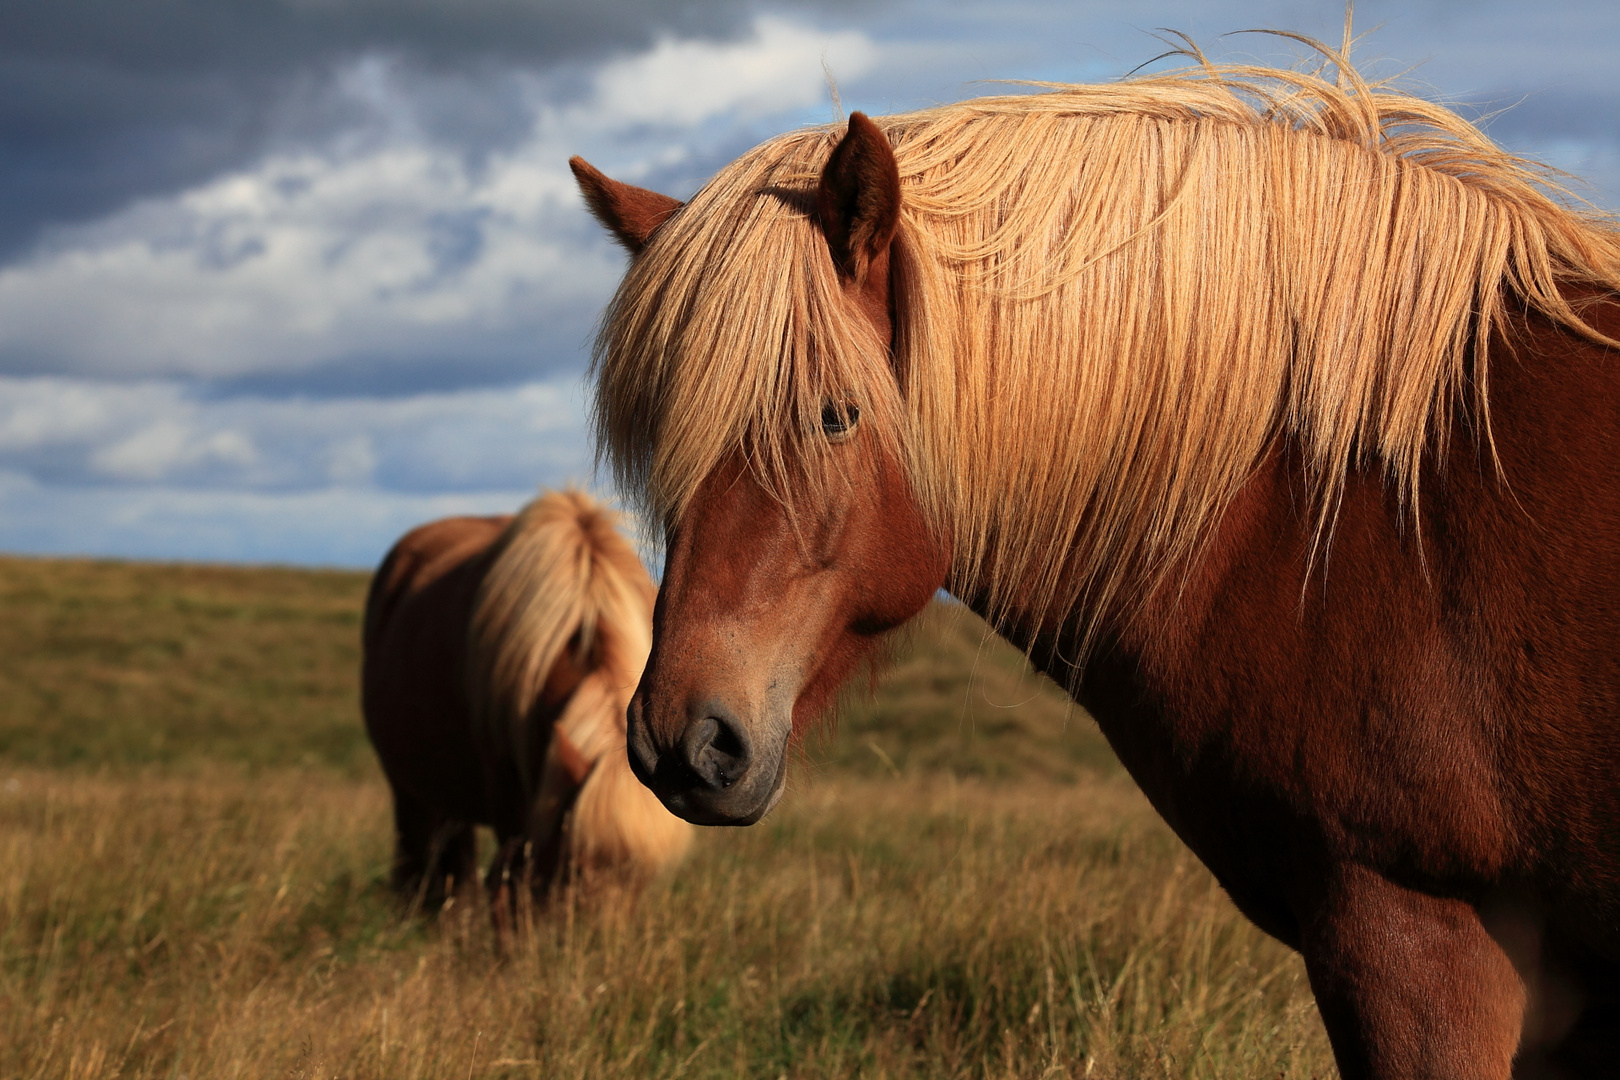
pixel 838 419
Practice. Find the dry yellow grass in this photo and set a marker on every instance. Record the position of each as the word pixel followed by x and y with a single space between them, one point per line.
pixel 986 897
pixel 225 926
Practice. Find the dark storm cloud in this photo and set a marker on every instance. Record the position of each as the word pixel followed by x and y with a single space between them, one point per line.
pixel 269 35
pixel 494 360
pixel 102 101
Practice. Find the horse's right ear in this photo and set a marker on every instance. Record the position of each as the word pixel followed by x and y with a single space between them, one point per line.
pixel 631 214
pixel 858 198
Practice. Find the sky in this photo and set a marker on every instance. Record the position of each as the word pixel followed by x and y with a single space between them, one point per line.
pixel 280 279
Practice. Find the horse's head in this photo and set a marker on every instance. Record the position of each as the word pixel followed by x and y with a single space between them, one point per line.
pixel 775 590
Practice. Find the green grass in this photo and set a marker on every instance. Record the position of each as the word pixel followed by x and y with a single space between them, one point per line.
pixel 109 664
pixel 960 882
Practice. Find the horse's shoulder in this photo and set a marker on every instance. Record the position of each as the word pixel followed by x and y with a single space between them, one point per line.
pixel 425 563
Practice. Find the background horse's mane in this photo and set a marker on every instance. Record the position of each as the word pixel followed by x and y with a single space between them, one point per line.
pixel 1110 302
pixel 562 577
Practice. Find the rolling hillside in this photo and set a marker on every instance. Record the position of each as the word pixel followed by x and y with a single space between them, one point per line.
pixel 960 883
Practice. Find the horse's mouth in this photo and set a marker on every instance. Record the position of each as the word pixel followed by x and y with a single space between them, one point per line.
pixel 716 773
pixel 742 803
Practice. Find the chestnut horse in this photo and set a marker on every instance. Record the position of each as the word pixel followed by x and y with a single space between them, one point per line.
pixel 500 653
pixel 1277 417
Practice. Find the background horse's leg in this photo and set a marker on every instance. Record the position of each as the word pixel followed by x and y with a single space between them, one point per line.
pixel 1409 985
pixel 455 863
pixel 562 775
pixel 507 879
pixel 414 826
pixel 432 854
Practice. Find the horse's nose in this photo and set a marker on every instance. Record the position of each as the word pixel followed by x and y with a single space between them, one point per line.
pixel 717 750
pixel 643 755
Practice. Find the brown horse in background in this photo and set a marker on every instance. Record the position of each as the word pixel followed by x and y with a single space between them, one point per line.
pixel 500 653
pixel 1276 416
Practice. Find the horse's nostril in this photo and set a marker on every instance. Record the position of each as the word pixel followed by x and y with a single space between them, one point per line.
pixel 698 739
pixel 716 750
pixel 729 742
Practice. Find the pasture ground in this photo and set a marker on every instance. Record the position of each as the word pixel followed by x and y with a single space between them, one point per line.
pixel 961 882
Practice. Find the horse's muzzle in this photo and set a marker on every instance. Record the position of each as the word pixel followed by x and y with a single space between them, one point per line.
pixel 710 772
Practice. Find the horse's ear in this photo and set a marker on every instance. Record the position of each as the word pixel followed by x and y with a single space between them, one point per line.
pixel 631 214
pixel 859 197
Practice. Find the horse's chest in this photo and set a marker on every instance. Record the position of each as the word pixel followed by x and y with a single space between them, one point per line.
pixel 1270 778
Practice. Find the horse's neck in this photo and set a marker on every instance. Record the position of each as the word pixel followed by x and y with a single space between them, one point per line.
pixel 1263 546
pixel 1389 584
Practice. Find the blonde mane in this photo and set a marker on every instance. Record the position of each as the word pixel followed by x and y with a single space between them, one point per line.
pixel 1111 301
pixel 562 577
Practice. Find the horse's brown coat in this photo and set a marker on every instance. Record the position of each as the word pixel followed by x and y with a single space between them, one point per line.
pixel 453 760
pixel 1399 753
pixel 417 615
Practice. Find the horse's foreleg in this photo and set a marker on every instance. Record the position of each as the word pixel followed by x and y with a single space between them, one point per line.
pixel 1410 985
pixel 456 867
pixel 508 874
pixel 433 855
pixel 561 778
pixel 414 826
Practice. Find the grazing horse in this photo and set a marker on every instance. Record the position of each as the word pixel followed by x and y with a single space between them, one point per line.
pixel 1276 416
pixel 500 654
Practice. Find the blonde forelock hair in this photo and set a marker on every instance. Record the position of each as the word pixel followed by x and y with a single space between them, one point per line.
pixel 1111 301
pixel 728 334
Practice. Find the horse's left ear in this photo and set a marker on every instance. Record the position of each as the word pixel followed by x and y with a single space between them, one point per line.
pixel 859 197
pixel 631 214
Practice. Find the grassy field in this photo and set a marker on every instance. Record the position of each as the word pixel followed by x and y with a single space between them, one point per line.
pixel 961 882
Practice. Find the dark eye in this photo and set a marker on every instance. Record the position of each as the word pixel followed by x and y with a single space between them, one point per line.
pixel 838 418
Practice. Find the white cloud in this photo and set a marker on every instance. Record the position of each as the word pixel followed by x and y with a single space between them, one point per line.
pixel 153 470
pixel 686 82
pixel 390 245
pixel 307 259
pixel 340 525
pixel 40 413
pixel 159 449
pixel 351 461
pixel 86 432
